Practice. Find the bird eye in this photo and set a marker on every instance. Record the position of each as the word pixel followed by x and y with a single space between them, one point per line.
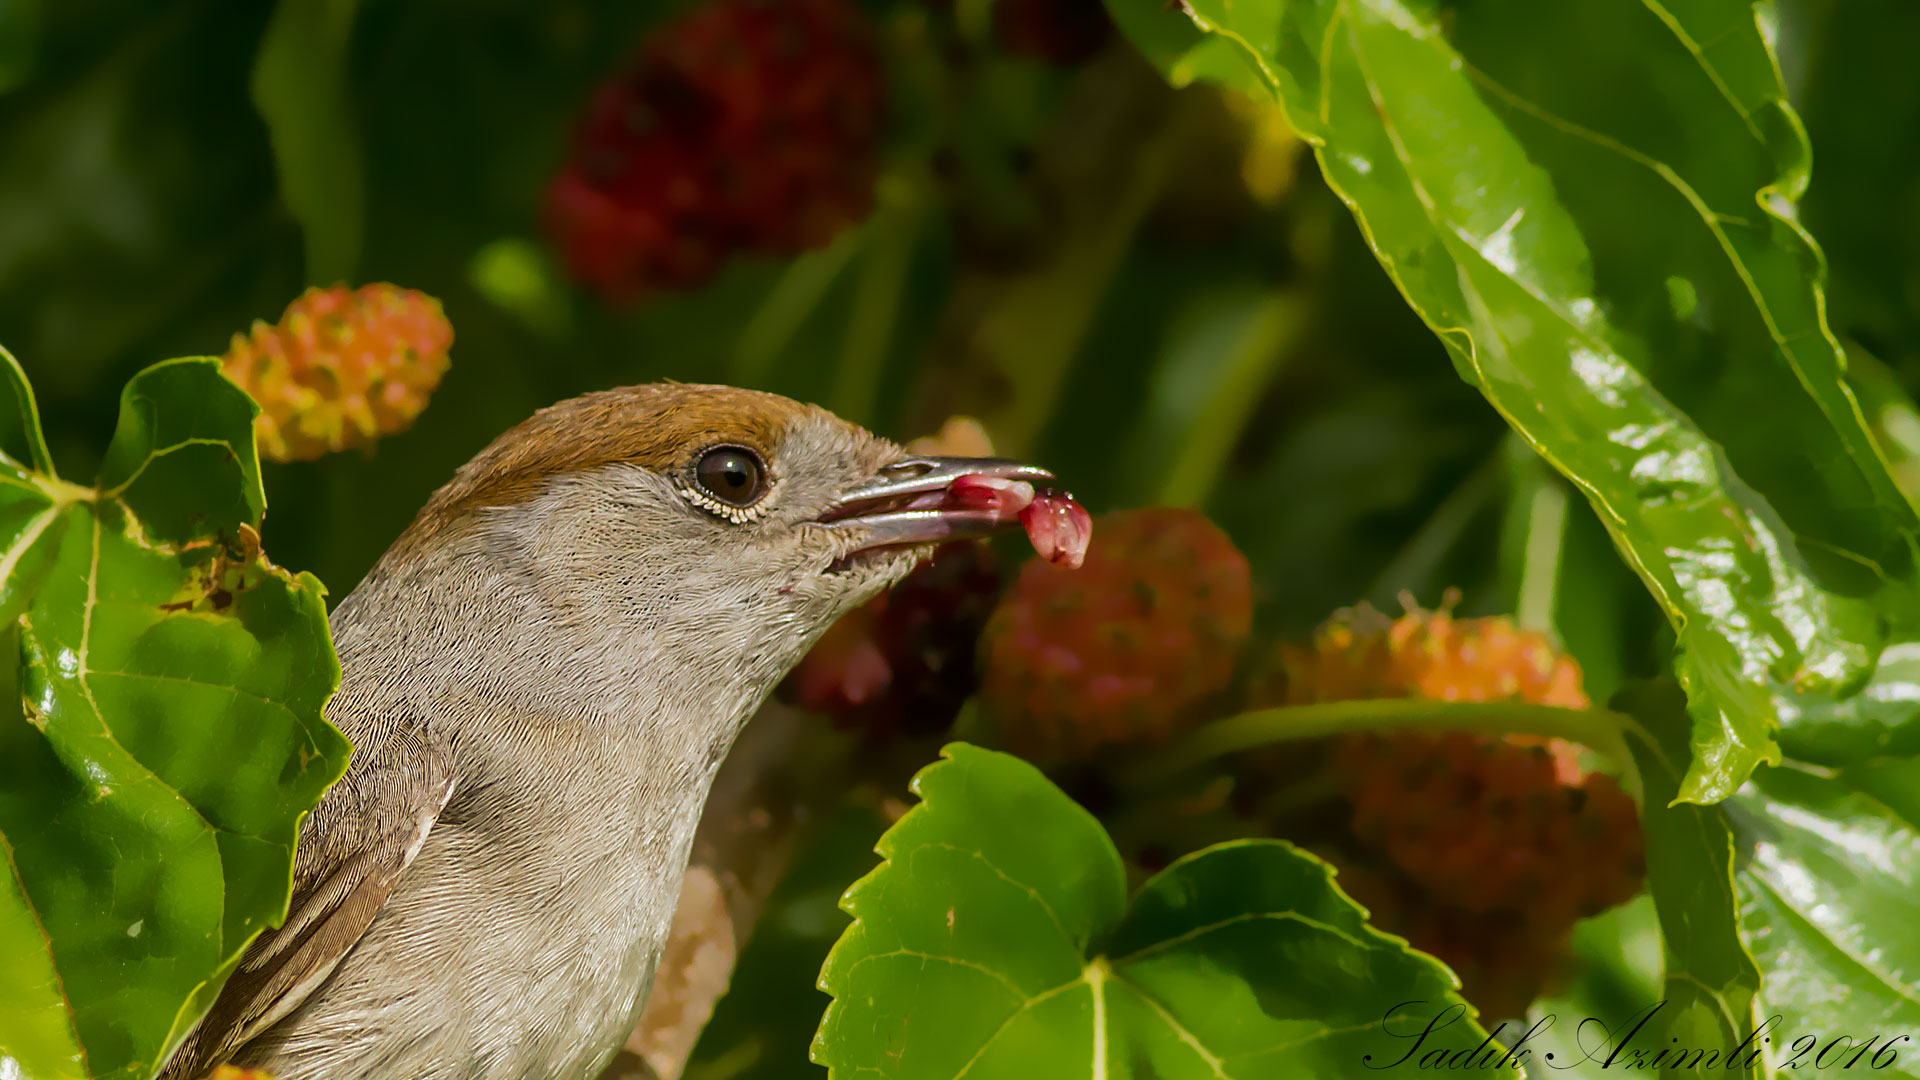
pixel 731 474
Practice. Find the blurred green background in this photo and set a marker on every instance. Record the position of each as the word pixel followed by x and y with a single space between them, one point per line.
pixel 1171 337
pixel 1149 290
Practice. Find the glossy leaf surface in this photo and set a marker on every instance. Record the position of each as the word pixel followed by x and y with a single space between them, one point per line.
pixel 167 731
pixel 997 940
pixel 1594 211
pixel 1826 906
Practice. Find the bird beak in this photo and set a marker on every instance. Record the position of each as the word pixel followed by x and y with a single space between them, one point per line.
pixel 917 501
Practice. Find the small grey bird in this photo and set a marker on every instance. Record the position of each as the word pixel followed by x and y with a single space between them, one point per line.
pixel 540 679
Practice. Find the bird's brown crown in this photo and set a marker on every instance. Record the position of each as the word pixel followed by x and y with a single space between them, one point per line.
pixel 657 426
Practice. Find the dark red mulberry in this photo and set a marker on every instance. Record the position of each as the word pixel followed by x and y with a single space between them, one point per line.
pixel 747 126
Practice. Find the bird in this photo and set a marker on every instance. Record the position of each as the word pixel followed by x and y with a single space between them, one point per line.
pixel 539 679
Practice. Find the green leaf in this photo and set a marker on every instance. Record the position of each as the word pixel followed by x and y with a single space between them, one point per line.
pixel 1858 92
pixel 300 88
pixel 167 734
pixel 1826 905
pixel 1710 982
pixel 996 940
pixel 1590 204
pixel 1882 719
pixel 1615 974
pixel 1891 415
pixel 1183 52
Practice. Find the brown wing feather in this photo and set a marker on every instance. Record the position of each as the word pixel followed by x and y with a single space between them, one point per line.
pixel 353 849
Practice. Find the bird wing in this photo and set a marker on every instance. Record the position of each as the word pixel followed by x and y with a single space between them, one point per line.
pixel 353 849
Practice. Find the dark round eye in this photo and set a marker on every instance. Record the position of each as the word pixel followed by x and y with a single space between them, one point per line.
pixel 732 474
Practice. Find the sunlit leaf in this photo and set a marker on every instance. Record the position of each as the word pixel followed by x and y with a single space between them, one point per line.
pixel 997 940
pixel 166 734
pixel 1591 205
pixel 1826 901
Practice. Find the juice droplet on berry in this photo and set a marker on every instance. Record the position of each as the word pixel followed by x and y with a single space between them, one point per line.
pixel 1059 529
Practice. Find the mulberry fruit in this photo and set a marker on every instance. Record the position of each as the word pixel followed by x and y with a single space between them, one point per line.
pixel 1498 845
pixel 1493 825
pixel 341 368
pixel 747 126
pixel 1133 647
pixel 903 663
pixel 1361 653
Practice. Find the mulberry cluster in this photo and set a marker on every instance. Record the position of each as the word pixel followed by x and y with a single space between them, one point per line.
pixel 1502 841
pixel 1489 825
pixel 1130 648
pixel 903 663
pixel 1362 653
pixel 747 126
pixel 341 368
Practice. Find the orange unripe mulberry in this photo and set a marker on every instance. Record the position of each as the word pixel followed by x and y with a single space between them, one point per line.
pixel 1361 653
pixel 1508 832
pixel 1484 823
pixel 341 368
pixel 1131 647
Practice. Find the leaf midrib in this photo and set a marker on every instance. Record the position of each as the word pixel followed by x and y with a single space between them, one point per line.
pixel 1100 970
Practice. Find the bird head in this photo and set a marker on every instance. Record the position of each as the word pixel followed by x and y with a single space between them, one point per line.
pixel 696 538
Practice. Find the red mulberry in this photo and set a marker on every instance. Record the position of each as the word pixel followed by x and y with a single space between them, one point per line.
pixel 1131 647
pixel 747 126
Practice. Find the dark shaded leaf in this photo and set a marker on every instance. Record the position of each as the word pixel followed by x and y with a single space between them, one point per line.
pixel 1864 202
pixel 1710 983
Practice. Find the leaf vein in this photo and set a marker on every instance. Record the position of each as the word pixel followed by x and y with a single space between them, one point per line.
pixel 1250 916
pixel 972 965
pixel 1074 945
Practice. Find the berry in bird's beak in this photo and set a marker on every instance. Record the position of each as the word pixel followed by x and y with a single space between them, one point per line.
pixel 923 500
pixel 1059 530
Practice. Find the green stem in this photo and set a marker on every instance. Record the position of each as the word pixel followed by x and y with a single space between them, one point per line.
pixel 1414 565
pixel 1214 430
pixel 1600 729
pixel 1540 567
pixel 876 310
pixel 792 299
